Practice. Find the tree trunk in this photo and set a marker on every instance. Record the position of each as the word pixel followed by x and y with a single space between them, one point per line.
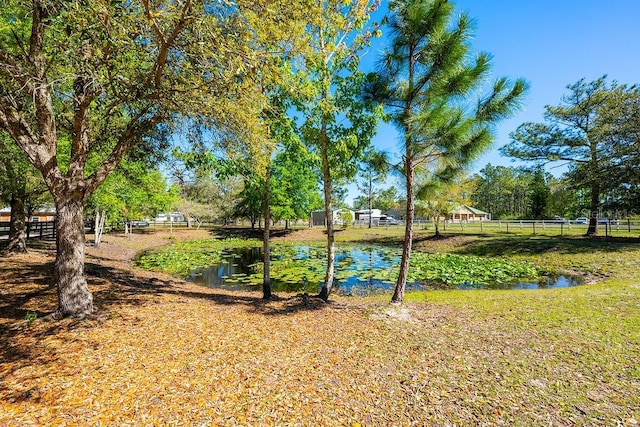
pixel 370 201
pixel 594 205
pixel 17 232
pixel 98 227
pixel 326 176
pixel 97 232
pixel 266 250
pixel 398 293
pixel 74 298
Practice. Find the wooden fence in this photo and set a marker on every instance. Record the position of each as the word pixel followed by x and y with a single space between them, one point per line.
pixel 34 229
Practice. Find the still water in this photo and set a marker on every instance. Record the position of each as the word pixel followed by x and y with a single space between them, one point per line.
pixel 358 271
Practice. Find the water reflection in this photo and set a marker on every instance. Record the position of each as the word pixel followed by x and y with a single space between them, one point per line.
pixel 358 271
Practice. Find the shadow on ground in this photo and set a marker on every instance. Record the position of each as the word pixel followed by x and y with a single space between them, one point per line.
pixel 118 287
pixel 31 286
pixel 247 233
pixel 490 245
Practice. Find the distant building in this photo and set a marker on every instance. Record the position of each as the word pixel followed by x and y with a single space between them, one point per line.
pixel 466 213
pixel 318 217
pixel 42 215
pixel 363 214
pixel 171 217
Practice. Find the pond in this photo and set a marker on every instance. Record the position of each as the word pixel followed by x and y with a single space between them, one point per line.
pixel 367 270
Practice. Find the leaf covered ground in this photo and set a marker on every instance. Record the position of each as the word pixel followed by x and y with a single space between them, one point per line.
pixel 164 352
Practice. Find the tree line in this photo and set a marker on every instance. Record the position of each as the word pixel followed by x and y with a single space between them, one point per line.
pixel 518 193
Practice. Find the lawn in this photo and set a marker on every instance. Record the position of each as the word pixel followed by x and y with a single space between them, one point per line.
pixel 165 352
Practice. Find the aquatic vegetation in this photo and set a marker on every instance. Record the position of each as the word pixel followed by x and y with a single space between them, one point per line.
pixel 180 258
pixel 456 270
pixel 301 267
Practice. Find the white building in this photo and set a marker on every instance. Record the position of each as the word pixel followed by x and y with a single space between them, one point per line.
pixel 363 214
pixel 318 217
pixel 171 217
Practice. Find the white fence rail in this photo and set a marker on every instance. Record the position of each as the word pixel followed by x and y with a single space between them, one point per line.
pixel 616 227
pixel 539 226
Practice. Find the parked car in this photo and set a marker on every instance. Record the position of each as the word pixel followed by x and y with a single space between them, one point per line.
pixel 139 223
pixel 560 220
pixel 388 220
pixel 603 221
pixel 581 220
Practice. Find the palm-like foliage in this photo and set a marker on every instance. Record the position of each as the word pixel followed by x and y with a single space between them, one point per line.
pixel 426 81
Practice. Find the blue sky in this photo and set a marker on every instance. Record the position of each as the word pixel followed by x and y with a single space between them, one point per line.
pixel 549 43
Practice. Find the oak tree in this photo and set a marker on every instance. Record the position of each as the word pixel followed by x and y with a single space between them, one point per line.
pixel 105 75
pixel 22 189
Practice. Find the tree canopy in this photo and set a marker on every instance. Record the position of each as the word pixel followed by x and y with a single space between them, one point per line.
pixel 107 75
pixel 594 130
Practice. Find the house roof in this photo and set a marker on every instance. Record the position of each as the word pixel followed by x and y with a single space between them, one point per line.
pixel 44 210
pixel 475 211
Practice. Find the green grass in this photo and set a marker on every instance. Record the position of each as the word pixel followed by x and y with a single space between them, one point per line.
pixel 575 351
pixel 580 346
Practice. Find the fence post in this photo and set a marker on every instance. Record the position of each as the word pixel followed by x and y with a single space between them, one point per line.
pixel 481 226
pixel 507 226
pixel 629 224
pixel 534 227
pixel 561 228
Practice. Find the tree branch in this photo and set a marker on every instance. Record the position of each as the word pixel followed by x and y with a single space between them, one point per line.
pixel 41 156
pixel 138 126
pixel 165 42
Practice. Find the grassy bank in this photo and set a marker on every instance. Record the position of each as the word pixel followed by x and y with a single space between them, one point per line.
pixel 166 352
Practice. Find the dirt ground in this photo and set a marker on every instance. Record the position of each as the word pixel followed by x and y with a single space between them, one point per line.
pixel 162 351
